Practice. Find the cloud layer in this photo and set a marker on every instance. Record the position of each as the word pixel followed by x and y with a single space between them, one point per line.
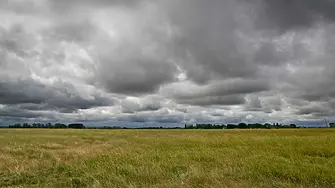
pixel 160 62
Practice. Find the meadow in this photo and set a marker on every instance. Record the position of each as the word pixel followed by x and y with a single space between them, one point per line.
pixel 167 158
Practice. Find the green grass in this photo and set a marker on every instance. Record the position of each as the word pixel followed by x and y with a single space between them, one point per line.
pixel 167 158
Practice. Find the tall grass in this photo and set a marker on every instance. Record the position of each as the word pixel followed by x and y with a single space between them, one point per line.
pixel 167 158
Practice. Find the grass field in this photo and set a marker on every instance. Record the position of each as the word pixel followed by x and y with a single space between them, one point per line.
pixel 167 158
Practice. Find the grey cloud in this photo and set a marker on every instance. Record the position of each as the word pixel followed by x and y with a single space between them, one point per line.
pixel 133 118
pixel 15 112
pixel 313 81
pixel 214 100
pixel 21 91
pixel 307 110
pixel 156 117
pixel 317 110
pixel 272 103
pixel 220 40
pixel 62 5
pixel 135 76
pixel 132 62
pixel 267 102
pixel 137 63
pixel 36 96
pixel 15 40
pixel 253 103
pixel 74 31
pixel 293 14
pixel 269 54
pixel 168 119
pixel 22 7
pixel 208 39
pixel 133 106
pixel 229 92
pixel 239 87
pixel 297 102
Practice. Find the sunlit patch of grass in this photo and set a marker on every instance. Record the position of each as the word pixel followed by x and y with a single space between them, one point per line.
pixel 167 158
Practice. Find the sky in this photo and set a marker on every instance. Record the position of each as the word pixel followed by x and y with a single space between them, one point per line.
pixel 159 62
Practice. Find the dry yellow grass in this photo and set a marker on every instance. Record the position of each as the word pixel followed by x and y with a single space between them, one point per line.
pixel 167 158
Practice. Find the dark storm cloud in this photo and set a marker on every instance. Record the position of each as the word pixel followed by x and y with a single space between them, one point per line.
pixel 219 40
pixel 17 113
pixel 313 109
pixel 208 39
pixel 214 39
pixel 229 92
pixel 295 14
pixel 135 76
pixel 210 34
pixel 317 110
pixel 32 95
pixel 21 91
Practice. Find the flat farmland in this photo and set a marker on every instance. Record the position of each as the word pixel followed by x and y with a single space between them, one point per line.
pixel 167 158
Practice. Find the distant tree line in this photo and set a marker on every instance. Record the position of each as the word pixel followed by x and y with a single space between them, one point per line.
pixel 186 126
pixel 47 125
pixel 118 127
pixel 240 126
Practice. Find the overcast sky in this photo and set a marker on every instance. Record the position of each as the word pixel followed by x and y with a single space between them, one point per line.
pixel 167 62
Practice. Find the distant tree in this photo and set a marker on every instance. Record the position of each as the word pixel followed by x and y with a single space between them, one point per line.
pixel 60 126
pixel 267 126
pixel 242 126
pixel 17 125
pixel 49 125
pixel 231 126
pixel 293 126
pixel 26 125
pixel 218 126
pixel 332 125
pixel 76 126
pixel 189 126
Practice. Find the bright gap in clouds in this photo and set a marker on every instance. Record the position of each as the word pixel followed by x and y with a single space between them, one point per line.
pixel 155 62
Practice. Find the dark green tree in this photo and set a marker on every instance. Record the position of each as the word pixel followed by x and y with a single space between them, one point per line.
pixel 76 126
pixel 242 126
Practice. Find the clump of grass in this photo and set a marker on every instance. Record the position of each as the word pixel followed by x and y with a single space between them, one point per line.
pixel 167 158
